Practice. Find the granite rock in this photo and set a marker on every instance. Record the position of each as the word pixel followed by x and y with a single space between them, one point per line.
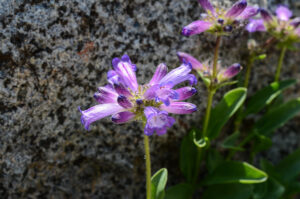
pixel 53 56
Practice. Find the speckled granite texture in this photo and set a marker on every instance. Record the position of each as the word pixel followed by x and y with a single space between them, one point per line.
pixel 45 74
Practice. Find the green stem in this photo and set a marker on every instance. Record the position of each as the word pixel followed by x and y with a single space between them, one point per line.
pixel 216 55
pixel 211 91
pixel 207 113
pixel 280 61
pixel 148 166
pixel 249 65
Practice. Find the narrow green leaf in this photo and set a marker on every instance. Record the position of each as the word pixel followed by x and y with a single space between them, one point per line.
pixel 230 103
pixel 289 167
pixel 265 96
pixel 158 184
pixel 277 117
pixel 230 142
pixel 180 191
pixel 188 152
pixel 228 191
pixel 235 172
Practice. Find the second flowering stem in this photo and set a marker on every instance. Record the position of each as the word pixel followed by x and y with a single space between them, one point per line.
pixel 280 61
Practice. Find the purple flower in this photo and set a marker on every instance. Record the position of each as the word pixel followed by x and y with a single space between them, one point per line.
pixel 125 100
pixel 280 26
pixel 206 71
pixel 218 20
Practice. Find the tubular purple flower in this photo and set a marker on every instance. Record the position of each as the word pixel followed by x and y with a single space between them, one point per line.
pixel 126 71
pixel 297 31
pixel 185 92
pixel 250 11
pixel 157 121
pixel 266 15
pixel 179 75
pixel 206 5
pixel 187 58
pixel 98 112
pixel 196 27
pixel 165 94
pixel 124 102
pixel 106 95
pixel 236 9
pixel 295 22
pixel 179 108
pixel 122 117
pixel 283 13
pixel 160 72
pixel 256 25
pixel 122 90
pixel 230 72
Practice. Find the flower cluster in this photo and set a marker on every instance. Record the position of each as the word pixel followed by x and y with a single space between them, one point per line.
pixel 205 70
pixel 220 21
pixel 126 100
pixel 281 26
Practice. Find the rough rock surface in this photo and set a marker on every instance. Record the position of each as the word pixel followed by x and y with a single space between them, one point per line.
pixel 46 72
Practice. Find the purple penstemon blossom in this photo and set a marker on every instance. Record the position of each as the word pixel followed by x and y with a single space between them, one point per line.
pixel 218 20
pixel 280 26
pixel 206 71
pixel 126 100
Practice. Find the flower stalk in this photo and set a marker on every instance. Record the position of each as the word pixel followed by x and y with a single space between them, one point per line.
pixel 148 166
pixel 280 61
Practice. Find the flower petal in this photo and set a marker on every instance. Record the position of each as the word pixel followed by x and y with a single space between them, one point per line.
pixel 157 121
pixel 236 9
pixel 250 11
pixel 283 13
pixel 196 27
pixel 160 72
pixel 267 17
pixel 179 75
pixel 126 71
pixel 187 58
pixel 124 102
pixel 122 117
pixel 106 95
pixel 206 5
pixel 297 31
pixel 230 72
pixel 98 112
pixel 295 22
pixel 122 90
pixel 179 108
pixel 256 25
pixel 165 94
pixel 185 92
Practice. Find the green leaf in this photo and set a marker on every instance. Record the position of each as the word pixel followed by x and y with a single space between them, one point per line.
pixel 230 103
pixel 188 152
pixel 230 142
pixel 293 188
pixel 180 191
pixel 228 191
pixel 226 84
pixel 235 172
pixel 158 184
pixel 265 96
pixel 277 117
pixel 271 189
pixel 200 143
pixel 261 143
pixel 289 167
pixel 214 158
